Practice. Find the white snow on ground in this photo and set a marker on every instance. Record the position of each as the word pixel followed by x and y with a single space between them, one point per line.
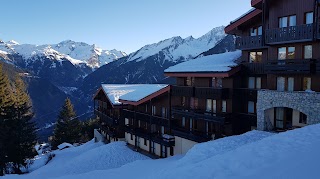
pixel 211 63
pixel 292 154
pixel 65 145
pixel 133 92
pixel 88 157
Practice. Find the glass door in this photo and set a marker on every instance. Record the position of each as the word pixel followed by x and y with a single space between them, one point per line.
pixel 279 118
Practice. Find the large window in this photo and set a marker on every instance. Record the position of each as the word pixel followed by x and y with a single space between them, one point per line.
pixel 307 52
pixel 309 18
pixel 189 81
pixel 286 53
pixel 255 57
pixel 287 21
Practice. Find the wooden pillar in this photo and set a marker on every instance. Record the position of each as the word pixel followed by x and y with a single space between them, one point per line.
pixel 169 111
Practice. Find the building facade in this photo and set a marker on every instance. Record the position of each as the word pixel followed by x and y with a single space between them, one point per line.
pixel 280 58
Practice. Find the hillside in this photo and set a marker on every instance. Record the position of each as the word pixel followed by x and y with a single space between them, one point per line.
pixel 255 154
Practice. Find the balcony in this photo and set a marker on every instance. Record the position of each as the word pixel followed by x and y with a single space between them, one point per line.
pixel 138 131
pixel 304 66
pixel 301 33
pixel 196 136
pixel 212 93
pixel 200 115
pixel 187 91
pixel 254 68
pixel 165 140
pixel 106 119
pixel 249 42
pixel 245 94
pixel 161 121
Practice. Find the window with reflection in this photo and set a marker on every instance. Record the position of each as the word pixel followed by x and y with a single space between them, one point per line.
pixel 309 18
pixel 255 57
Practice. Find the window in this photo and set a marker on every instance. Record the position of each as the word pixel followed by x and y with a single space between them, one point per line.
pixel 145 141
pixel 183 122
pixel 287 21
pixel 255 57
pixel 190 81
pixel 280 83
pixel 256 31
pixel 131 136
pixel 258 82
pixel 251 82
pixel 154 110
pixel 307 51
pixel 302 118
pixel 139 123
pixel 183 101
pixel 286 53
pixel 214 106
pixel 162 129
pixel 146 108
pixel 283 22
pixel 224 106
pixel 193 103
pixel 291 53
pixel 309 18
pixel 164 112
pixel 251 107
pixel 190 123
pixel 216 82
pixel 290 84
pixel 209 105
pixel 306 83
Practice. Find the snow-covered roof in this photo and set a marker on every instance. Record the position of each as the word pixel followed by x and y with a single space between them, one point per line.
pixel 130 92
pixel 212 63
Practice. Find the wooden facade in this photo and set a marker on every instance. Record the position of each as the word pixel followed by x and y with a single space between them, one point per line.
pixel 279 40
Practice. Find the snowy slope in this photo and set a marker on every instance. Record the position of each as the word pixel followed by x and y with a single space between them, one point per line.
pixel 76 52
pixel 174 48
pixel 289 155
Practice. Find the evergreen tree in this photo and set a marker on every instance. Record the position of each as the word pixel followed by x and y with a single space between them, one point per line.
pixel 23 130
pixel 68 127
pixel 6 102
pixel 17 132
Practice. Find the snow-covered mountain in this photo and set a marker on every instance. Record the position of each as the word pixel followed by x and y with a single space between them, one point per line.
pixel 177 48
pixel 75 52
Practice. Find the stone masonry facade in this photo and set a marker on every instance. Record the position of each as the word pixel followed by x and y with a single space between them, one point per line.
pixel 305 102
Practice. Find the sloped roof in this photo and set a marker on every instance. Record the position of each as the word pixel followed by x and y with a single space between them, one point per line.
pixel 209 64
pixel 126 93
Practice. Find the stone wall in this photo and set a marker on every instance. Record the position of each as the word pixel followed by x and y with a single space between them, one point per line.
pixel 305 102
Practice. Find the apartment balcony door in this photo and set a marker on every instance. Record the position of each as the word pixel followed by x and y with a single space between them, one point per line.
pixel 281 84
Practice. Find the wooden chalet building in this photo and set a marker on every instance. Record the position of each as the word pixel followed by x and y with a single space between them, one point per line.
pixel 144 122
pixel 280 41
pixel 202 101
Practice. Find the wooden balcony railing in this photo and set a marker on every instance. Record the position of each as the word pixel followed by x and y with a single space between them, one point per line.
pixel 245 94
pixel 168 142
pixel 254 68
pixel 107 119
pixel 212 93
pixel 161 121
pixel 249 42
pixel 290 66
pixel 299 33
pixel 200 115
pixel 193 135
pixel 187 91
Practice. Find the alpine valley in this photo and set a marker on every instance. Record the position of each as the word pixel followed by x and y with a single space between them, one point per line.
pixel 76 69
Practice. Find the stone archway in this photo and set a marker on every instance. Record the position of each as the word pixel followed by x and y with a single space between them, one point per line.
pixel 305 102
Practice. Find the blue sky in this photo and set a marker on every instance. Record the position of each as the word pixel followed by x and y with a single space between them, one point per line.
pixel 121 24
